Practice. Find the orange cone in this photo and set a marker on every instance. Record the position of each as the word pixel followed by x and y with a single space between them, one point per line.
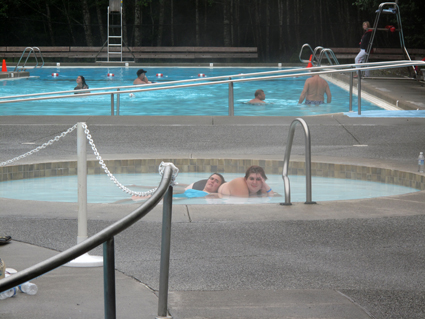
pixel 309 65
pixel 3 67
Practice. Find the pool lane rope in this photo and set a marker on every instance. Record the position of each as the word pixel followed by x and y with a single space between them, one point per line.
pixel 113 178
pixel 161 167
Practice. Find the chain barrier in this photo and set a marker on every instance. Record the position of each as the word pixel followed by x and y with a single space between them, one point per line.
pixel 40 147
pixel 113 178
pixel 101 162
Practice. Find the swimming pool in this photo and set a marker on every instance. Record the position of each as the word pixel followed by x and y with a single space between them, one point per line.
pixel 281 95
pixel 64 188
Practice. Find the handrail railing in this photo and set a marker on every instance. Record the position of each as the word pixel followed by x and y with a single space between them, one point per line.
pixel 31 50
pixel 325 52
pixel 330 69
pixel 285 170
pixel 313 53
pixel 106 236
pixel 317 55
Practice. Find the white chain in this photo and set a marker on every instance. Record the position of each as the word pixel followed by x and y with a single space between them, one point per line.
pixel 101 162
pixel 113 178
pixel 40 147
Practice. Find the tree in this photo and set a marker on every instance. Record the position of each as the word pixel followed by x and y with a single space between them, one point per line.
pixel 86 24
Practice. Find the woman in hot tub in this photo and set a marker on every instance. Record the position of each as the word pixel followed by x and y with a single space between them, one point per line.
pixel 253 184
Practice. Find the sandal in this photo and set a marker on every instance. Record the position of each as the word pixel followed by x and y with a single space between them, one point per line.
pixel 5 240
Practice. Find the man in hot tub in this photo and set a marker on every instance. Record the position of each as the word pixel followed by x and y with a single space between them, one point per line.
pixel 200 188
pixel 203 187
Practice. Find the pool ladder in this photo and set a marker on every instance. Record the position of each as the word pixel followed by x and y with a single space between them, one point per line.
pixel 317 55
pixel 307 162
pixel 31 50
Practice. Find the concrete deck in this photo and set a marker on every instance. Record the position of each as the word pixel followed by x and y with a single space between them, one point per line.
pixel 342 259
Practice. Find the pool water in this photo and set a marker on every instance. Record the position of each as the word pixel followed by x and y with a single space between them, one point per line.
pixel 102 190
pixel 281 95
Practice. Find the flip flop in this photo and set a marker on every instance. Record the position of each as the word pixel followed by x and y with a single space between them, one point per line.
pixel 5 240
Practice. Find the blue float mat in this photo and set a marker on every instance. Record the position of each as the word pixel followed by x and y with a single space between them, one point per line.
pixel 386 113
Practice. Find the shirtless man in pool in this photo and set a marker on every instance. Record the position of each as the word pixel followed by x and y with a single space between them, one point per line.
pixel 200 188
pixel 260 96
pixel 141 78
pixel 210 185
pixel 314 91
pixel 253 184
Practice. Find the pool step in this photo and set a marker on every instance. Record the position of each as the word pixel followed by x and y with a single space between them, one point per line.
pixel 23 74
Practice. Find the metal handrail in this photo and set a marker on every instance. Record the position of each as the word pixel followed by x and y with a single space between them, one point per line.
pixel 291 71
pixel 29 53
pixel 106 237
pixel 313 53
pixel 325 52
pixel 149 87
pixel 285 176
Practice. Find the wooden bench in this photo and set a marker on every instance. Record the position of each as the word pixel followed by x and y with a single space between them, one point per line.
pixel 379 54
pixel 138 52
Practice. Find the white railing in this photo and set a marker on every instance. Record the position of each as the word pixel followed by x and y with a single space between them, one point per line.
pixel 230 79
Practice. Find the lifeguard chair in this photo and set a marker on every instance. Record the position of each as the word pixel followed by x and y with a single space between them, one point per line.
pixel 114 42
pixel 114 28
pixel 389 8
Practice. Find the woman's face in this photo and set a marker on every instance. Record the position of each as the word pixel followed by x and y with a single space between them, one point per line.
pixel 365 26
pixel 254 182
pixel 79 80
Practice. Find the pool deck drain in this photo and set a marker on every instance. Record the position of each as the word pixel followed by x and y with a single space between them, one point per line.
pixel 211 265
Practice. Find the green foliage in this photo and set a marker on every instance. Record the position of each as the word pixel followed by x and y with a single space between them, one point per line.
pixel 367 5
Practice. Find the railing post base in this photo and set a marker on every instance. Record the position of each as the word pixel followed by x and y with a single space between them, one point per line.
pixel 285 204
pixel 310 203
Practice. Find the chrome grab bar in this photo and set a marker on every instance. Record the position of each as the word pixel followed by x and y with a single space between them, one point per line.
pixel 31 50
pixel 306 45
pixel 325 52
pixel 285 176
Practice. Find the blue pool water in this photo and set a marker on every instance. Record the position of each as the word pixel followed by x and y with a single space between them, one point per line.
pixel 64 189
pixel 281 95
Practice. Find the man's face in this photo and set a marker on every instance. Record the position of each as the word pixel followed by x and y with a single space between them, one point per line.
pixel 262 96
pixel 213 184
pixel 142 76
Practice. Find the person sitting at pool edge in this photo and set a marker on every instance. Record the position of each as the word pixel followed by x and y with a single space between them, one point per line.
pixel 314 91
pixel 260 96
pixel 81 85
pixel 141 77
pixel 253 184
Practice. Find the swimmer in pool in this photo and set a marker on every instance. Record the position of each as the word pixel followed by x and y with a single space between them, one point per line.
pixel 260 96
pixel 253 184
pixel 314 91
pixel 141 78
pixel 81 85
pixel 209 185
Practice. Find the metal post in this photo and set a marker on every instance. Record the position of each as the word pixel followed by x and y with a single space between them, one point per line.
pixel 82 183
pixel 351 92
pixel 112 105
pixel 165 254
pixel 118 103
pixel 285 170
pixel 109 279
pixel 231 99
pixel 359 92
